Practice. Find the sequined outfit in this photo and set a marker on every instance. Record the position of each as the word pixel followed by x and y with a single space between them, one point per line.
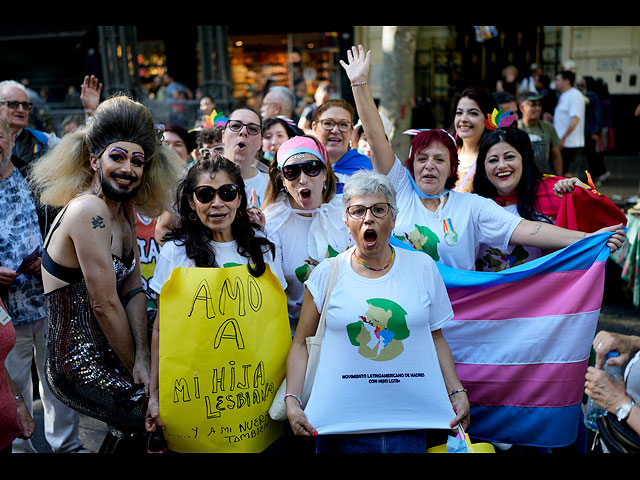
pixel 82 368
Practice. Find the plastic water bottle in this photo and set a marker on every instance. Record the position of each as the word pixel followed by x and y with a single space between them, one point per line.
pixel 593 410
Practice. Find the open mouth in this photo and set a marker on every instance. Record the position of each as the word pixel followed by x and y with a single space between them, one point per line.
pixel 123 180
pixel 241 145
pixel 370 238
pixel 217 216
pixel 305 194
pixel 503 175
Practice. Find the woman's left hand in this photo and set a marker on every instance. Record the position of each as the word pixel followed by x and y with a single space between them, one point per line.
pixel 616 240
pixel 566 185
pixel 461 406
pixel 27 425
pixel 604 390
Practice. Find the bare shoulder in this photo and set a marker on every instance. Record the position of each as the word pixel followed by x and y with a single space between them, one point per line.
pixel 88 211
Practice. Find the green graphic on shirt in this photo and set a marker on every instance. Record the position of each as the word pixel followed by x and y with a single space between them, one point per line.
pixel 231 264
pixel 303 272
pixel 422 238
pixel 379 333
pixel 495 260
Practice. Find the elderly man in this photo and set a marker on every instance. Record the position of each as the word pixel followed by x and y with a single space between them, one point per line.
pixel 15 107
pixel 279 101
pixel 568 120
pixel 22 293
pixel 543 136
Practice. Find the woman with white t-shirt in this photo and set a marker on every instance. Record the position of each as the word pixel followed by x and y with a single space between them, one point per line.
pixel 215 231
pixel 303 214
pixel 385 368
pixel 446 224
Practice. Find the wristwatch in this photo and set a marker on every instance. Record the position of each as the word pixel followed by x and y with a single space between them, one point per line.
pixel 624 410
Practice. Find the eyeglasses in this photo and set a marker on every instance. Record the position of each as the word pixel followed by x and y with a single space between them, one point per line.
pixel 311 168
pixel 358 212
pixel 205 152
pixel 205 193
pixel 13 104
pixel 328 124
pixel 236 126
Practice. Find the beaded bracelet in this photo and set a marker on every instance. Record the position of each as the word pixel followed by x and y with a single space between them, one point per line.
pixel 294 396
pixel 358 84
pixel 453 392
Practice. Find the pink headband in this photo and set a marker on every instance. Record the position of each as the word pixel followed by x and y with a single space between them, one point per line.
pixel 300 145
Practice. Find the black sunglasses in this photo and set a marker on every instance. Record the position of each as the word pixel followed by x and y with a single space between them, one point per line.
pixel 206 193
pixel 311 168
pixel 13 104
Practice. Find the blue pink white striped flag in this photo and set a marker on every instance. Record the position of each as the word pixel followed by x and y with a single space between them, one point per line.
pixel 521 340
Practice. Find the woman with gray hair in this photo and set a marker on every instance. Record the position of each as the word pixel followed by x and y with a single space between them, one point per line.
pixel 382 344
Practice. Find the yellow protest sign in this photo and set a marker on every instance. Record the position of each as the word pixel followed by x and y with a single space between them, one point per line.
pixel 224 340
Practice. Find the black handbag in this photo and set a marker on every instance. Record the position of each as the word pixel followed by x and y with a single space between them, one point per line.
pixel 617 436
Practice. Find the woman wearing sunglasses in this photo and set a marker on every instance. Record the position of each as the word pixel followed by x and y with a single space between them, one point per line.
pixel 384 316
pixel 302 214
pixel 333 126
pixel 446 224
pixel 215 231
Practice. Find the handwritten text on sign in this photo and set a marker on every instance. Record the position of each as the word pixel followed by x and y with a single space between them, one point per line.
pixel 224 341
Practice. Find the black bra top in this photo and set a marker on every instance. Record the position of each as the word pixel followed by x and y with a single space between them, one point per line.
pixel 71 274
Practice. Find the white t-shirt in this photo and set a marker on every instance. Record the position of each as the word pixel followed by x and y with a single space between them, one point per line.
pixel 473 218
pixel 174 256
pixel 570 104
pixel 492 259
pixel 258 182
pixel 378 367
pixel 302 242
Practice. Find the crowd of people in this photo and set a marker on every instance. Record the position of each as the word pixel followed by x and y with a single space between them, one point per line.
pixel 320 202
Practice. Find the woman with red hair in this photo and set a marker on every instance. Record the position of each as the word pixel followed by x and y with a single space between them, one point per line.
pixel 446 224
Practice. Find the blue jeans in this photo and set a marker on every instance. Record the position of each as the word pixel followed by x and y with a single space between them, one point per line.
pixel 406 441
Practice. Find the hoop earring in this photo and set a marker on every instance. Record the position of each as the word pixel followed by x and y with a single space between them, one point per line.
pixel 148 195
pixel 192 216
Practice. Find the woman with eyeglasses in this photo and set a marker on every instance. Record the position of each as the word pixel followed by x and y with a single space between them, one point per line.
pixel 446 224
pixel 302 214
pixel 384 320
pixel 333 126
pixel 214 231
pixel 242 139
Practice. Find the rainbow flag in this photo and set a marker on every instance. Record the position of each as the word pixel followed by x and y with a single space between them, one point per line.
pixel 521 340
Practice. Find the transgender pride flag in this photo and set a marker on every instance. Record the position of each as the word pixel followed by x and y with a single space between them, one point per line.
pixel 521 340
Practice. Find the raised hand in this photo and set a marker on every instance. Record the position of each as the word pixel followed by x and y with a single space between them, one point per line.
pixel 90 91
pixel 359 64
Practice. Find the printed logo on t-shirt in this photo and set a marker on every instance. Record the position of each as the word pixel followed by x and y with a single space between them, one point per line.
pixel 495 260
pixel 378 335
pixel 422 238
pixel 303 272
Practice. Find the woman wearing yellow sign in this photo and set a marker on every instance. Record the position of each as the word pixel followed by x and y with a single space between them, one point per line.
pixel 215 231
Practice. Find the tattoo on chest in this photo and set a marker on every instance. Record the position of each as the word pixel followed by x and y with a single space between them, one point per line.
pixel 97 222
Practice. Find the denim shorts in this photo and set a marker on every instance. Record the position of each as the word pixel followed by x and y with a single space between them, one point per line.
pixel 406 441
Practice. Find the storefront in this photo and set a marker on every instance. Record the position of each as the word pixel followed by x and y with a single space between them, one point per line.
pixel 298 61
